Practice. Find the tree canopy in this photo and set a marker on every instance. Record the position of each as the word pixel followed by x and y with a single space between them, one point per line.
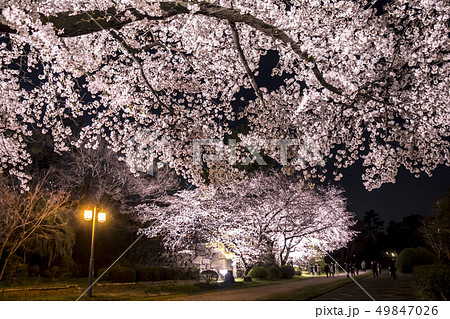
pixel 360 81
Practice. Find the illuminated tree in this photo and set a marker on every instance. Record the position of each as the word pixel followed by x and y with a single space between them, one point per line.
pixel 359 82
pixel 265 215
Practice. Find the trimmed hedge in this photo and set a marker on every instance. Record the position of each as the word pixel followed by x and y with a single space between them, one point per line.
pixel 209 276
pixel 122 274
pixel 287 271
pixel 433 281
pixel 274 272
pixel 258 272
pixel 145 273
pixel 410 257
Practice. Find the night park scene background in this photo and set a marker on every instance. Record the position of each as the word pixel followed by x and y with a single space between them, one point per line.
pixel 224 150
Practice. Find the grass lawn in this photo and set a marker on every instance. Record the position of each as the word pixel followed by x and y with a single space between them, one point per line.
pixel 32 289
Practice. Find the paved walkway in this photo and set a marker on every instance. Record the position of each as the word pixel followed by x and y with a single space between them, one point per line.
pixel 249 294
pixel 383 288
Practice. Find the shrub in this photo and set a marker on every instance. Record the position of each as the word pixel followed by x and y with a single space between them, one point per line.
pixel 287 271
pixel 143 273
pixel 192 273
pixel 298 271
pixel 168 274
pixel 101 271
pixel 433 281
pixel 258 272
pixel 68 265
pixel 209 275
pixel 16 270
pixel 157 273
pixel 122 274
pixel 34 271
pixel 410 257
pixel 273 272
pixel 54 272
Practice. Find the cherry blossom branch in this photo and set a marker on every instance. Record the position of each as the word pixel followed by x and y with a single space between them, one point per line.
pixel 73 25
pixel 129 50
pixel 244 62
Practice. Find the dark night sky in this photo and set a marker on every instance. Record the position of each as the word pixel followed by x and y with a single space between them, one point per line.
pixel 409 195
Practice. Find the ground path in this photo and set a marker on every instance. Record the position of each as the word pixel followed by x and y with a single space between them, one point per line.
pixel 382 288
pixel 258 293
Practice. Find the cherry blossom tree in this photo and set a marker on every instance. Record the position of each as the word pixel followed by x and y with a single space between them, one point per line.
pixel 361 81
pixel 265 215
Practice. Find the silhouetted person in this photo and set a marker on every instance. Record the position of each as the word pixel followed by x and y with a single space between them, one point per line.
pixel 311 270
pixel 229 278
pixel 332 269
pixel 393 269
pixel 315 269
pixel 327 270
pixel 363 265
pixel 374 267
pixel 353 269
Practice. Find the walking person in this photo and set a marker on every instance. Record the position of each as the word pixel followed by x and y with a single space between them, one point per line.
pixel 374 267
pixel 393 269
pixel 363 266
pixel 316 269
pixel 332 269
pixel 327 270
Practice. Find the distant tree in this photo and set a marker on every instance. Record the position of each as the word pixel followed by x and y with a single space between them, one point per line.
pixel 372 225
pixel 437 229
pixel 31 219
pixel 406 233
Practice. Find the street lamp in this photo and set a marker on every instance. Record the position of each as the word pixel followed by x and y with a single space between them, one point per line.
pixel 89 215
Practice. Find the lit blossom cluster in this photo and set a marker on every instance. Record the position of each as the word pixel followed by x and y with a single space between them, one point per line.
pixel 251 218
pixel 360 85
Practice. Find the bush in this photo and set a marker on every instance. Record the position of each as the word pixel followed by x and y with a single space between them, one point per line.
pixel 16 270
pixel 34 271
pixel 190 273
pixel 143 273
pixel 54 272
pixel 209 275
pixel 68 266
pixel 101 271
pixel 258 272
pixel 122 274
pixel 274 272
pixel 157 273
pixel 287 271
pixel 298 271
pixel 433 281
pixel 410 257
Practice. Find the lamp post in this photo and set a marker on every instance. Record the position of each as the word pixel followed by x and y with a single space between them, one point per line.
pixel 92 215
